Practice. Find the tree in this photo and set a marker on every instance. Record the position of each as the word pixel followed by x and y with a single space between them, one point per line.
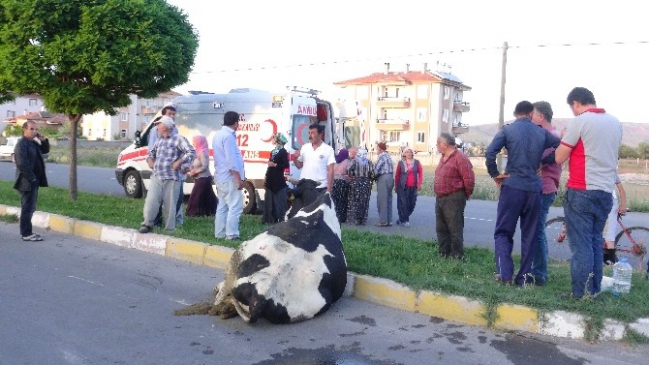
pixel 643 150
pixel 627 151
pixel 85 56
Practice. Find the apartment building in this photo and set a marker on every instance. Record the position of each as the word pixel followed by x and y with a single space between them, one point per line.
pixel 409 107
pixel 21 105
pixel 128 119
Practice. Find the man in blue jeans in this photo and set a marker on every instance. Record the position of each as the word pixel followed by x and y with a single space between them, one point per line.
pixel 520 190
pixel 550 176
pixel 591 142
pixel 228 177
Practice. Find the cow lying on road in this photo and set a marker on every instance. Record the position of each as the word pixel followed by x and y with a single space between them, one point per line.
pixel 292 272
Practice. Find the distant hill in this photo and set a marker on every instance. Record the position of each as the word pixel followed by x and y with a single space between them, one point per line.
pixel 632 133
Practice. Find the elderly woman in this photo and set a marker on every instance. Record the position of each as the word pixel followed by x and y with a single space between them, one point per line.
pixel 360 172
pixel 275 197
pixel 341 185
pixel 407 182
pixel 202 201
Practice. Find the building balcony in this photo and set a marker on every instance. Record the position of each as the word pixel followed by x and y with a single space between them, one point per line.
pixel 392 102
pixel 392 124
pixel 147 110
pixel 460 128
pixel 461 106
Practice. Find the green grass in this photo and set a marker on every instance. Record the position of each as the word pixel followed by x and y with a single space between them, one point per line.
pixel 410 261
pixel 86 156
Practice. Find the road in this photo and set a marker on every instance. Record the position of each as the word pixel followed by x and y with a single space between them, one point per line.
pixel 480 215
pixel 69 300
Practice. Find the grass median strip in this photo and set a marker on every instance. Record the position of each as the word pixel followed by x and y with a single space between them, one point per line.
pixel 409 261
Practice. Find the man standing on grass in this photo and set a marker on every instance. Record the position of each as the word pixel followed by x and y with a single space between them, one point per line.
pixel 454 183
pixel 520 190
pixel 165 159
pixel 30 175
pixel 228 177
pixel 591 142
pixel 550 175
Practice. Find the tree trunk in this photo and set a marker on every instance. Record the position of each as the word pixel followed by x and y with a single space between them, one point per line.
pixel 74 125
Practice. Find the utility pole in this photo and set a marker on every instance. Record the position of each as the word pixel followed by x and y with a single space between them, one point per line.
pixel 501 116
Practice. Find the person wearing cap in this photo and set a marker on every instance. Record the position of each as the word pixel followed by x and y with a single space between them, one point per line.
pixel 165 159
pixel 384 184
pixel 275 197
pixel 520 191
pixel 316 159
pixel 228 177
pixel 453 186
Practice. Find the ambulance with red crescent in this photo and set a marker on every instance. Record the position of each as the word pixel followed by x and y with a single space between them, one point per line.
pixel 262 114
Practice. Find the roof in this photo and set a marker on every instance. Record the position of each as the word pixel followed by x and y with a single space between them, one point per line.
pixel 42 117
pixel 406 78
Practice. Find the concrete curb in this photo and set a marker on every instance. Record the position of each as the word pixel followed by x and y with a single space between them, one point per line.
pixel 373 289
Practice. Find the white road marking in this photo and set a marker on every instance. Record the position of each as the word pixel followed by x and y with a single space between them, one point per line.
pixel 87 281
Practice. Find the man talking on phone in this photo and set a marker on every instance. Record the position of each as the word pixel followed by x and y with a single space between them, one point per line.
pixel 30 175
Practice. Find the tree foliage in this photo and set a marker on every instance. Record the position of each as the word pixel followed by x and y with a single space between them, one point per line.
pixel 627 151
pixel 643 150
pixel 85 56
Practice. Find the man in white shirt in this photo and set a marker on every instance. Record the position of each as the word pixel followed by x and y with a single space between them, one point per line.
pixel 316 159
pixel 228 177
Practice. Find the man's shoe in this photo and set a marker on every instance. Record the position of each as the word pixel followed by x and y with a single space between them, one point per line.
pixel 32 238
pixel 144 229
pixel 232 238
pixel 407 224
pixel 381 225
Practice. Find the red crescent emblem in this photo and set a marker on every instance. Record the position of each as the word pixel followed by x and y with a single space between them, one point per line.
pixel 272 122
pixel 299 133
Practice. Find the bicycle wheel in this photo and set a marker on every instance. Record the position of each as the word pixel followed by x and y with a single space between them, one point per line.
pixel 625 246
pixel 558 247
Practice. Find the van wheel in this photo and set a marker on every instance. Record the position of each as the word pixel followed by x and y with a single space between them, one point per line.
pixel 133 184
pixel 249 199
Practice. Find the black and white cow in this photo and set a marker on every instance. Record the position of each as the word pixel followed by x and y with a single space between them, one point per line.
pixel 292 272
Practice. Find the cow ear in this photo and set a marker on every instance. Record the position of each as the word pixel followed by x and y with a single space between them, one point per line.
pixel 257 307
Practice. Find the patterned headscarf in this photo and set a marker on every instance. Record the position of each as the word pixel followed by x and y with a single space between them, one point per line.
pixel 361 155
pixel 342 155
pixel 281 140
pixel 200 144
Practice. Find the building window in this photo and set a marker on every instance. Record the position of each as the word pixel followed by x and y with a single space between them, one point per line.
pixel 104 133
pixel 32 102
pixel 394 136
pixel 458 119
pixel 89 132
pixel 447 92
pixel 122 134
pixel 123 117
pixel 421 137
pixel 11 113
pixel 422 92
pixel 445 116
pixel 458 96
pixel 421 114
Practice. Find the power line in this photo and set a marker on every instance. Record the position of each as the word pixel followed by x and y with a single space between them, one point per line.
pixel 435 53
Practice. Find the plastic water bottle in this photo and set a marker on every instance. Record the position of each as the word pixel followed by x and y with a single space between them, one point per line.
pixel 622 277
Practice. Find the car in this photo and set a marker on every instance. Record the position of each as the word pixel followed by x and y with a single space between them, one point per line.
pixel 7 148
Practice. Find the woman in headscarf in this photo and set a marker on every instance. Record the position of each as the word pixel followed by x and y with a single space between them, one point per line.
pixel 407 182
pixel 341 185
pixel 275 197
pixel 360 172
pixel 202 201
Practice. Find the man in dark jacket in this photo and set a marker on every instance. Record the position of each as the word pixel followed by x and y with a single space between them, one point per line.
pixel 30 175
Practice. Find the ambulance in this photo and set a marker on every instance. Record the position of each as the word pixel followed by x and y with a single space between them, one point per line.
pixel 262 114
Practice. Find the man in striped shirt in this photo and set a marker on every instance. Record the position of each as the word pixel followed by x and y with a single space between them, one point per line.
pixel 454 183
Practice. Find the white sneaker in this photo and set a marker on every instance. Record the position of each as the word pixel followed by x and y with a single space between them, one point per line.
pixel 407 224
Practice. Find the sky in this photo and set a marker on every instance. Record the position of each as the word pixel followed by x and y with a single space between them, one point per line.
pixel 260 44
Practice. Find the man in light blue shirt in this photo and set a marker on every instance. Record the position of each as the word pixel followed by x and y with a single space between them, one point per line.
pixel 228 177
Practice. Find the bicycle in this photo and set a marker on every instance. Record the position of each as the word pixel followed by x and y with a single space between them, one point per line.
pixel 629 241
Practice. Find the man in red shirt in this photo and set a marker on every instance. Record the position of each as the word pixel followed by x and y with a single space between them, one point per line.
pixel 454 183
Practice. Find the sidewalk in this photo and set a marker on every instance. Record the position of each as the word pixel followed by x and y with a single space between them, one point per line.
pixel 373 289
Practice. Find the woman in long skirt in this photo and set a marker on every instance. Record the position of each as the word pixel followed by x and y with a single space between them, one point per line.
pixel 202 201
pixel 361 173
pixel 341 185
pixel 407 182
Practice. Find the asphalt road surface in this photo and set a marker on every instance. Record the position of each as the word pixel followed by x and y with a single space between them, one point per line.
pixel 69 300
pixel 480 215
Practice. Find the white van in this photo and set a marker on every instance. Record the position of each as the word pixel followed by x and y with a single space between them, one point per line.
pixel 262 114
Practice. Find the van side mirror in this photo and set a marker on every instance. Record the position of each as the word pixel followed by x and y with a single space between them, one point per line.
pixel 138 140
